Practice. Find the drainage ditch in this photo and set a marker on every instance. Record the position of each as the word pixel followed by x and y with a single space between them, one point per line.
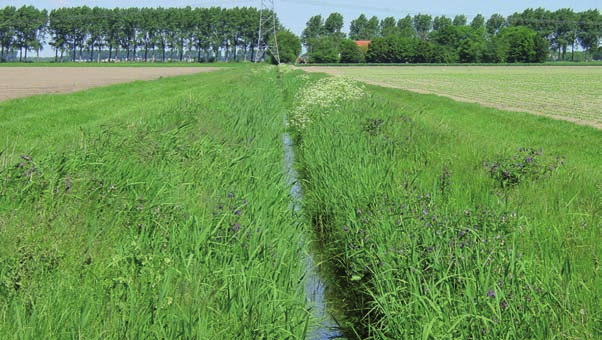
pixel 315 285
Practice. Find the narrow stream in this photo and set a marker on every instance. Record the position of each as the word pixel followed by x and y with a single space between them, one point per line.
pixel 314 283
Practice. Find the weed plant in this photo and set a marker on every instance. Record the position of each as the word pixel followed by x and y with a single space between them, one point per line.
pixel 444 220
pixel 150 210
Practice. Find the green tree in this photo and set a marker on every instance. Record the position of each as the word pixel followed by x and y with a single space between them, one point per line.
pixel 358 28
pixel 441 22
pixel 397 49
pixel 58 27
pixel 289 47
pixel 541 21
pixel 248 31
pixel 29 24
pixel 478 22
pixel 333 26
pixel 7 20
pixel 96 28
pixel 460 20
pixel 113 26
pixel 463 43
pixel 388 26
pixel 350 52
pixel 520 44
pixel 372 28
pixel 590 30
pixel 313 30
pixel 495 23
pixel 405 27
pixel 470 51
pixel 198 38
pixel 423 23
pixel 565 31
pixel 324 51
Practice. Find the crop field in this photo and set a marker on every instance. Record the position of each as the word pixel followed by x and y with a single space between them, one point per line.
pixel 18 82
pixel 163 209
pixel 570 93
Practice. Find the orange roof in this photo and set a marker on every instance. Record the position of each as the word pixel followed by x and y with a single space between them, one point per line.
pixel 363 43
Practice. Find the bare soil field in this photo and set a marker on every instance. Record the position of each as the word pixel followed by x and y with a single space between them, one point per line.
pixel 16 82
pixel 562 92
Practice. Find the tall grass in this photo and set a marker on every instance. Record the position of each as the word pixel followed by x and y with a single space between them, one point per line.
pixel 150 210
pixel 447 220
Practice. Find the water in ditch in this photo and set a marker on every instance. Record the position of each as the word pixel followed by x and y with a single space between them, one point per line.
pixel 315 286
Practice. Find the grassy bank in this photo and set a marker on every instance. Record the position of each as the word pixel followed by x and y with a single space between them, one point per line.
pixel 150 210
pixel 440 219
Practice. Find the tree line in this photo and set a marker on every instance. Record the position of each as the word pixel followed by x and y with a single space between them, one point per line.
pixel 534 35
pixel 210 34
pixel 159 34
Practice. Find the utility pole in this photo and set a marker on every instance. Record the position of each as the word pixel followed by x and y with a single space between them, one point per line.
pixel 267 29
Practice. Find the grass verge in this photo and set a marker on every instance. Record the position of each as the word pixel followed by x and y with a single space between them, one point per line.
pixel 442 220
pixel 150 210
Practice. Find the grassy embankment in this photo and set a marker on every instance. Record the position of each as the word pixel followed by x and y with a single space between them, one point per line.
pixel 441 219
pixel 150 210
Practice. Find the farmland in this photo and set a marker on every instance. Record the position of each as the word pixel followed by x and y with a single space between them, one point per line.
pixel 162 209
pixel 570 93
pixel 18 82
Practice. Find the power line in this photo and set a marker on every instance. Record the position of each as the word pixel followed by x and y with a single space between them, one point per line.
pixel 267 23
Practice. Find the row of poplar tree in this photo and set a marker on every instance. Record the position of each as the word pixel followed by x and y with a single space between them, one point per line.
pixel 160 34
pixel 206 34
pixel 534 35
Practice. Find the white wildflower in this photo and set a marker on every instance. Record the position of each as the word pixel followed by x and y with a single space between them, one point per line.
pixel 322 96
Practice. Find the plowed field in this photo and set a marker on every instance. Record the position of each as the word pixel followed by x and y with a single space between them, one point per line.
pixel 16 82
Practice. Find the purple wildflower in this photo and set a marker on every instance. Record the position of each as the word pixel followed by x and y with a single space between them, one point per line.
pixel 491 293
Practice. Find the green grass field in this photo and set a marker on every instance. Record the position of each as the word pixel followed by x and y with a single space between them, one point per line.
pixel 150 210
pixel 161 209
pixel 441 219
pixel 565 92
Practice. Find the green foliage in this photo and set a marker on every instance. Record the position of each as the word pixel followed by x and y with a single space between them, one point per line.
pixel 333 26
pixel 396 49
pixel 528 164
pixel 313 30
pixel 161 33
pixel 324 50
pixel 289 47
pixel 522 45
pixel 423 23
pixel 363 28
pixel 350 52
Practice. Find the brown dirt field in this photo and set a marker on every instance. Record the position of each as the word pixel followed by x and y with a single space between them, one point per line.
pixel 16 82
